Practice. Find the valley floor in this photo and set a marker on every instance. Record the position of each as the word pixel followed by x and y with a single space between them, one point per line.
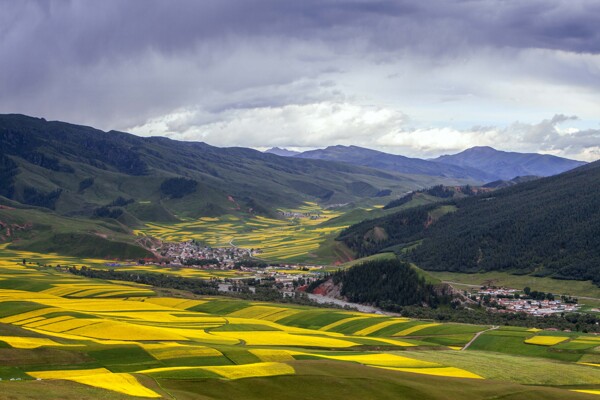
pixel 65 336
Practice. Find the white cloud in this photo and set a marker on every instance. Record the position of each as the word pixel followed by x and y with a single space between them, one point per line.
pixel 296 125
pixel 314 125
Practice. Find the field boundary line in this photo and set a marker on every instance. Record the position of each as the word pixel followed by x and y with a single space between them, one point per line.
pixel 476 336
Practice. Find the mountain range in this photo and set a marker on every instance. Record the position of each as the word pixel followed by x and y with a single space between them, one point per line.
pixel 479 164
pixel 55 176
pixel 390 162
pixel 81 171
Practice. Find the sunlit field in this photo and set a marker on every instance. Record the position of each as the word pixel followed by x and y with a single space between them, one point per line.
pixel 122 338
pixel 286 240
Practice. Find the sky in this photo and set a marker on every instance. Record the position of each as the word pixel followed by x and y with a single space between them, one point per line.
pixel 417 78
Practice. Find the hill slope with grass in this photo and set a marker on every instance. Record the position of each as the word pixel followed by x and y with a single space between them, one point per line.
pixel 78 170
pixel 547 227
pixel 40 230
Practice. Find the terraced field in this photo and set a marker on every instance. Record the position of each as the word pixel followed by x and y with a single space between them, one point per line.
pixel 64 336
pixel 288 240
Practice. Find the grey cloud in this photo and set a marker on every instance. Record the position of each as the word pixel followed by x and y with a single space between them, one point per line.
pixel 121 64
pixel 86 32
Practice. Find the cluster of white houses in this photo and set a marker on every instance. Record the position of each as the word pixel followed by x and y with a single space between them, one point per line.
pixel 295 214
pixel 536 307
pixel 508 300
pixel 193 255
pixel 185 253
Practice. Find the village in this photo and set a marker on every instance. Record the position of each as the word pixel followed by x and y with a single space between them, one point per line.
pixel 192 254
pixel 296 214
pixel 508 300
pixel 289 277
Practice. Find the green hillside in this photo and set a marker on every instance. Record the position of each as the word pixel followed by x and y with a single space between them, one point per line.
pixel 39 230
pixel 547 227
pixel 78 170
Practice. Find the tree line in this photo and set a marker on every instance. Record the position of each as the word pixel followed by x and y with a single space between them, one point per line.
pixel 547 227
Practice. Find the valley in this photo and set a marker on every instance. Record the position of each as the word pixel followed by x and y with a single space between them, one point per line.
pixel 122 340
pixel 242 274
pixel 299 200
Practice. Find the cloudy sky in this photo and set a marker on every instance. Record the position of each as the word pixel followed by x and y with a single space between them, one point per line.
pixel 419 78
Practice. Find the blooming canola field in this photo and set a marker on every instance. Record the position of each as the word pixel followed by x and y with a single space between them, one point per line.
pixel 290 239
pixel 121 338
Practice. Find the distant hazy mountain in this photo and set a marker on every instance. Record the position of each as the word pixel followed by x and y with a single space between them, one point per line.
pixel 506 165
pixel 392 162
pixel 282 152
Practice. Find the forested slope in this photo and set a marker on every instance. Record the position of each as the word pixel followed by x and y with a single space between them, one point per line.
pixel 548 227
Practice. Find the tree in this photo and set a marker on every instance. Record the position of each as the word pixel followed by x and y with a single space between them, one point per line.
pixel 527 290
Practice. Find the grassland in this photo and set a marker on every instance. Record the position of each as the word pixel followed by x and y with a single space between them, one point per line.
pixel 100 339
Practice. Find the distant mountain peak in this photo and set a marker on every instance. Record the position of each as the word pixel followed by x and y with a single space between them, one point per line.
pixel 482 148
pixel 282 152
pixel 505 165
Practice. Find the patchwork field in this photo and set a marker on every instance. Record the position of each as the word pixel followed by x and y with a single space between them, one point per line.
pixel 63 336
pixel 294 239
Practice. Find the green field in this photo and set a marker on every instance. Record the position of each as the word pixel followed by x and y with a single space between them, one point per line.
pixel 65 336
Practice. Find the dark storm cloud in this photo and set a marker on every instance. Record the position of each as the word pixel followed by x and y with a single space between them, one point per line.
pixel 41 36
pixel 119 64
pixel 86 32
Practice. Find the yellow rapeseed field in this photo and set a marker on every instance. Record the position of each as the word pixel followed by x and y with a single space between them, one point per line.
pixel 114 330
pixel 414 329
pixel 451 372
pixel 166 351
pixel 395 342
pixel 269 338
pixel 68 373
pixel 46 321
pixel 384 360
pixel 546 340
pixel 381 325
pixel 340 322
pixel 284 313
pixel 270 355
pixel 258 312
pixel 27 315
pixel 181 304
pixel 19 342
pixel 252 370
pixel 69 324
pixel 100 378
pixel 590 364
pixel 588 391
pixel 29 320
pixel 295 236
